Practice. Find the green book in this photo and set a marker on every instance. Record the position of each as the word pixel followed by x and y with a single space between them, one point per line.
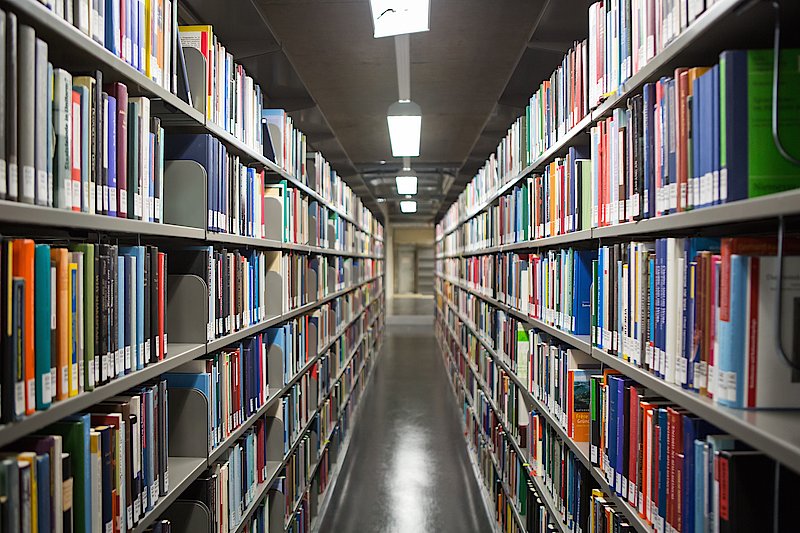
pixel 88 313
pixel 585 183
pixel 749 160
pixel 75 433
pixel 42 322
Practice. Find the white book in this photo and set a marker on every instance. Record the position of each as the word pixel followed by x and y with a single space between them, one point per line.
pixel 674 307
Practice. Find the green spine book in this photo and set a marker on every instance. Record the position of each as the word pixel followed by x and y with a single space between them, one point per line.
pixel 88 313
pixel 42 325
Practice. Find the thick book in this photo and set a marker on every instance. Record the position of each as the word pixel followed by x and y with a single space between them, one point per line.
pixel 42 127
pixel 60 256
pixel 750 161
pixel 26 126
pixel 75 432
pixel 62 131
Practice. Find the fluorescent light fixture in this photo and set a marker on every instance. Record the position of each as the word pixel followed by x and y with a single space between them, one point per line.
pixel 408 206
pixel 397 17
pixel 405 125
pixel 406 184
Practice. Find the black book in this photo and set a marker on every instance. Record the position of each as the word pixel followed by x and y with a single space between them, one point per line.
pixel 98 305
pixel 155 127
pixel 3 126
pixel 66 490
pixel 111 297
pixel 11 114
pixel 102 289
pixel 9 362
pixel 154 337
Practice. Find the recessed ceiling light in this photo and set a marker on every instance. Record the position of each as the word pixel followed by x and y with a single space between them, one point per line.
pixel 405 124
pixel 408 206
pixel 406 184
pixel 398 17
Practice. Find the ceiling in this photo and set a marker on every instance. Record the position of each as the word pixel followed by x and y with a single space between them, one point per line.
pixel 472 74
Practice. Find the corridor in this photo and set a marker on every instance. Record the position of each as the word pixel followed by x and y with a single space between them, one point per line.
pixel 407 468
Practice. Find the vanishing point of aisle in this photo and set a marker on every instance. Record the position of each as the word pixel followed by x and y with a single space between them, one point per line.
pixel 407 469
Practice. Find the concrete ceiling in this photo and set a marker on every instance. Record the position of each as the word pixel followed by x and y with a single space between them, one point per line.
pixel 472 74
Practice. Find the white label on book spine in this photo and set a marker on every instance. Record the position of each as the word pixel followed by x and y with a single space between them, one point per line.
pixel 3 188
pixel 46 394
pixel 700 375
pixel 127 357
pixel 137 508
pixel 41 183
pixel 123 201
pixel 681 367
pixel 632 493
pixel 28 181
pixel 137 205
pixel 65 378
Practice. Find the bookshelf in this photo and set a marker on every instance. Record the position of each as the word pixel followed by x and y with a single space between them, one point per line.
pixel 486 245
pixel 350 301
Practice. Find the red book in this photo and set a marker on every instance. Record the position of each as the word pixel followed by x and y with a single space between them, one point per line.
pixel 682 142
pixel 75 131
pixel 162 281
pixel 633 446
pixel 23 267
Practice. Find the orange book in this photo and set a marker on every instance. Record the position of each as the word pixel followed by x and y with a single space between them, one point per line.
pixel 60 257
pixel 24 250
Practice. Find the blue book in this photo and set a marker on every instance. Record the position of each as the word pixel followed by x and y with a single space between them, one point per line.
pixel 111 124
pixel 129 292
pixel 581 293
pixel 715 137
pixel 662 462
pixel 613 418
pixel 732 335
pixel 136 253
pixel 694 179
pixel 276 339
pixel 690 352
pixel 601 256
pixel 701 487
pixel 734 122
pixel 42 323
pixel 43 491
pixel 111 29
pixel 693 428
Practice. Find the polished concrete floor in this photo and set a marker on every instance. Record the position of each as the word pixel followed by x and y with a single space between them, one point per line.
pixel 407 468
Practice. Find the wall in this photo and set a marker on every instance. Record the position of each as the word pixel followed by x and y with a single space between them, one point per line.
pixel 404 234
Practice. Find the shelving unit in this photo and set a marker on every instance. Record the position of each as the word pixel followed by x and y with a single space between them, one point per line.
pixel 776 433
pixel 71 49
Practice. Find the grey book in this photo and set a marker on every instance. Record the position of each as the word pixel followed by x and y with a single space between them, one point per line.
pixel 3 126
pixel 41 144
pixel 11 78
pixel 26 126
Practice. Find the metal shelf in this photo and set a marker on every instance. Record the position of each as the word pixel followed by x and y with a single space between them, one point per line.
pixel 775 432
pixel 177 354
pixel 182 472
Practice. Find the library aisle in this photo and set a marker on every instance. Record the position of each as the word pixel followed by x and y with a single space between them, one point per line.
pixel 407 468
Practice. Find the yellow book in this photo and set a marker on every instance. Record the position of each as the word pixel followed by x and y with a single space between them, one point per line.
pixel 72 329
pixel 201 38
pixel 30 458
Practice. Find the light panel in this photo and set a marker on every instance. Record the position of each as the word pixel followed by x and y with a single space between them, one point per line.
pixel 398 17
pixel 404 133
pixel 406 184
pixel 408 206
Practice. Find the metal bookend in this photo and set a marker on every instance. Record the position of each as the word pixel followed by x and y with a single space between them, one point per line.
pixel 189 433
pixel 187 308
pixel 274 286
pixel 273 219
pixel 196 72
pixel 275 444
pixel 187 516
pixel 275 368
pixel 184 190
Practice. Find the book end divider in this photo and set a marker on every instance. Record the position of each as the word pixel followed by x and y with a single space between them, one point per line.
pixel 187 516
pixel 195 71
pixel 185 194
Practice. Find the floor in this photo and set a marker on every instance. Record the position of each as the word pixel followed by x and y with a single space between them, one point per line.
pixel 407 468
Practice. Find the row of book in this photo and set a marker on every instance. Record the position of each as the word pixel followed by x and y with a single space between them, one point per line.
pixel 691 311
pixel 233 100
pixel 143 33
pixel 98 471
pixel 504 473
pixel 687 142
pixel 76 143
pixel 685 476
pixel 73 142
pixel 688 310
pixel 77 317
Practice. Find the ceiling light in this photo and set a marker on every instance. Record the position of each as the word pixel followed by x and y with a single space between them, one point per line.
pixel 405 123
pixel 406 184
pixel 408 206
pixel 397 17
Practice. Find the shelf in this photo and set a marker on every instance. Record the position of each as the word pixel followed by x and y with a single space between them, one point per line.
pixel 775 432
pixel 273 469
pixel 177 354
pixel 580 449
pixel 222 342
pixel 70 48
pixel 560 146
pixel 182 472
pixel 581 342
pixel 49 217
